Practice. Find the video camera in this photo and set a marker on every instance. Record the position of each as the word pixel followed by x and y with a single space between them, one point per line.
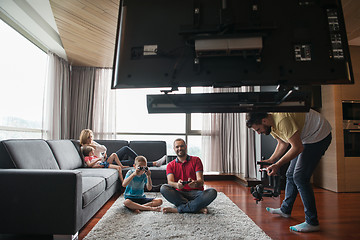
pixel 273 186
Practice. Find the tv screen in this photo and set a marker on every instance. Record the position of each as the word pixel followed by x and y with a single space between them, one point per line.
pixel 230 43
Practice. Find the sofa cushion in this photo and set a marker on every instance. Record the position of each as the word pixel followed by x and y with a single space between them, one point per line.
pixel 5 159
pixel 66 155
pixel 152 150
pixel 110 175
pixel 113 145
pixel 92 188
pixel 159 172
pixel 30 154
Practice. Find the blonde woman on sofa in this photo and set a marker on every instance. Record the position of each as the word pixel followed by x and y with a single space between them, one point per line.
pixel 87 139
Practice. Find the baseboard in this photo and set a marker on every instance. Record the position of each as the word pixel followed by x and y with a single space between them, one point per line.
pixel 239 178
pixel 66 237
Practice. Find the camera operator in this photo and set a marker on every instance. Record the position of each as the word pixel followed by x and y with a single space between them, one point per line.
pixel 309 136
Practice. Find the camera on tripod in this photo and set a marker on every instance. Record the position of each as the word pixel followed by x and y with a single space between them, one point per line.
pixel 272 189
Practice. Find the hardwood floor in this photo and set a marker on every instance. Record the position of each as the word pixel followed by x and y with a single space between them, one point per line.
pixel 339 213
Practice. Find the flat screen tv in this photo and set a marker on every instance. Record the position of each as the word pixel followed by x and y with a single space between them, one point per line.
pixel 229 43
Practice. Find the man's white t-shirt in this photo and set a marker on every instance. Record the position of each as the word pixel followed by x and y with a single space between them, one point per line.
pixel 315 129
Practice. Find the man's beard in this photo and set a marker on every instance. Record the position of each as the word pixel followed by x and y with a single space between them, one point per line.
pixel 181 153
pixel 267 130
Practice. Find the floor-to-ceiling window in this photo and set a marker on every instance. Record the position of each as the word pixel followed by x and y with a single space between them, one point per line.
pixel 23 72
pixel 22 79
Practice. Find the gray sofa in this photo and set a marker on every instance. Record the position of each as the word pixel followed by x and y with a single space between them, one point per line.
pixel 46 190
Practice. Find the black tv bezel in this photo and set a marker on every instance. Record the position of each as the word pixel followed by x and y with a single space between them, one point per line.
pixel 349 78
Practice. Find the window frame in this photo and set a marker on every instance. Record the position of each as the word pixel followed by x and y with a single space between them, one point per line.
pixel 188 130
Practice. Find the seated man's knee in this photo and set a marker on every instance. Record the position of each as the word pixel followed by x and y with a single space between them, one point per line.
pixel 212 192
pixel 164 188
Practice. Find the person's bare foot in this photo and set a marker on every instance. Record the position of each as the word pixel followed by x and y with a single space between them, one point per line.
pixel 170 210
pixel 124 166
pixel 160 162
pixel 204 211
pixel 156 209
pixel 136 211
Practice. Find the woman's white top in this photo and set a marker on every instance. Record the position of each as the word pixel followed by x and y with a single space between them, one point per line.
pixel 100 150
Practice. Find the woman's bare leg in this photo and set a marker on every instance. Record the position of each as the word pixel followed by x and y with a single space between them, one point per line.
pixel 114 157
pixel 119 170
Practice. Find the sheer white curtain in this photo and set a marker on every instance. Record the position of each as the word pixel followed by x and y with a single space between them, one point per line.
pixel 228 145
pixel 56 114
pixel 104 112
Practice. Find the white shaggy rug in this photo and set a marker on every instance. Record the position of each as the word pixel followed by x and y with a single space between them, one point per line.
pixel 224 221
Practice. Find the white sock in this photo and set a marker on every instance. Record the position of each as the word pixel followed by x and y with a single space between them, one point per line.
pixel 305 227
pixel 161 161
pixel 277 211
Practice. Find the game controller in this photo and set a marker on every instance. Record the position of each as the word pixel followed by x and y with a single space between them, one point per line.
pixel 143 168
pixel 185 182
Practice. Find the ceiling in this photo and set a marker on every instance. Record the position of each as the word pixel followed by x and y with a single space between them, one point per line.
pixel 87 28
pixel 351 10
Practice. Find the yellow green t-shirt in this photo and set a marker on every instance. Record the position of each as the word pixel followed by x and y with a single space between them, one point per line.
pixel 286 124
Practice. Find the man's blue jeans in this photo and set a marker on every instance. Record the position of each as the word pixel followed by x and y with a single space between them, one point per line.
pixel 298 177
pixel 188 202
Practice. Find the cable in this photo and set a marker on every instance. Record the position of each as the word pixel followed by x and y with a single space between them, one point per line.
pixel 159 185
